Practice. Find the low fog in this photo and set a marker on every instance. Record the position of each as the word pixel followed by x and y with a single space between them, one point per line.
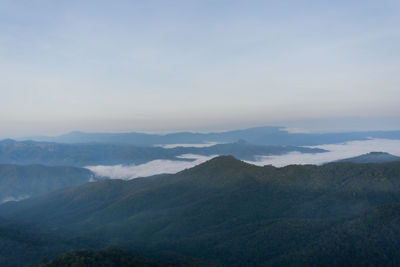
pixel 148 169
pixel 336 152
pixel 13 198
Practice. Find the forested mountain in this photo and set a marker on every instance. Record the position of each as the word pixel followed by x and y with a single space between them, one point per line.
pixel 22 244
pixel 229 212
pixel 103 258
pixel 22 181
pixel 267 135
pixel 80 155
pixel 372 157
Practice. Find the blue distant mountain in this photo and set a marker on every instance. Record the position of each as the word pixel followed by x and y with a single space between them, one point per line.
pixel 18 182
pixel 85 154
pixel 260 135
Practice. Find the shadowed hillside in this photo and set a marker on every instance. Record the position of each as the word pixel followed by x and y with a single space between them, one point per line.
pixel 234 213
pixel 106 258
pixel 18 182
pixel 22 244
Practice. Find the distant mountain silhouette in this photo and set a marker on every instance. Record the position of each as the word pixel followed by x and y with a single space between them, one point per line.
pixel 229 212
pixel 372 157
pixel 18 182
pixel 267 135
pixel 81 155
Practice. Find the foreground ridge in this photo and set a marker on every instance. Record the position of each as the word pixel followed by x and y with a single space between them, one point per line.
pixel 338 213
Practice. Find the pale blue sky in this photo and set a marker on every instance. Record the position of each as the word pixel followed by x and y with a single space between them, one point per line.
pixel 205 64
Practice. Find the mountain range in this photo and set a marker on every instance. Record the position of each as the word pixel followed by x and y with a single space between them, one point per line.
pixel 232 213
pixel 23 181
pixel 80 155
pixel 372 157
pixel 268 135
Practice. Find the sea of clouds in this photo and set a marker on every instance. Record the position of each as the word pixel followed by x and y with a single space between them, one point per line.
pixel 335 152
pixel 150 168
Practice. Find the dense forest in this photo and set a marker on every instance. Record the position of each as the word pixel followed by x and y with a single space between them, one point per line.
pixel 110 257
pixel 229 212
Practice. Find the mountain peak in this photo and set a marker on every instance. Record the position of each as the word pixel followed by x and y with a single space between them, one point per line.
pixel 220 163
pixel 377 153
pixel 373 157
pixel 223 160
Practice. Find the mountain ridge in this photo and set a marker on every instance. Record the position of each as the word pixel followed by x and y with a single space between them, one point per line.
pixel 372 157
pixel 265 135
pixel 91 154
pixel 24 181
pixel 293 214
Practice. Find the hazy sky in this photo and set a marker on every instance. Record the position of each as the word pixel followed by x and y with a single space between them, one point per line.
pixel 205 64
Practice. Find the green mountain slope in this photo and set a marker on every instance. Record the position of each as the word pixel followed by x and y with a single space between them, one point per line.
pixel 231 212
pixel 102 258
pixel 369 239
pixel 22 244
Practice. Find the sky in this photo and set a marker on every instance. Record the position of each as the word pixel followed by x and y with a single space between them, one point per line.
pixel 117 66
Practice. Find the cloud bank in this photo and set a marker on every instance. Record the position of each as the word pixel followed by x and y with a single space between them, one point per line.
pixel 12 198
pixel 148 169
pixel 335 152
